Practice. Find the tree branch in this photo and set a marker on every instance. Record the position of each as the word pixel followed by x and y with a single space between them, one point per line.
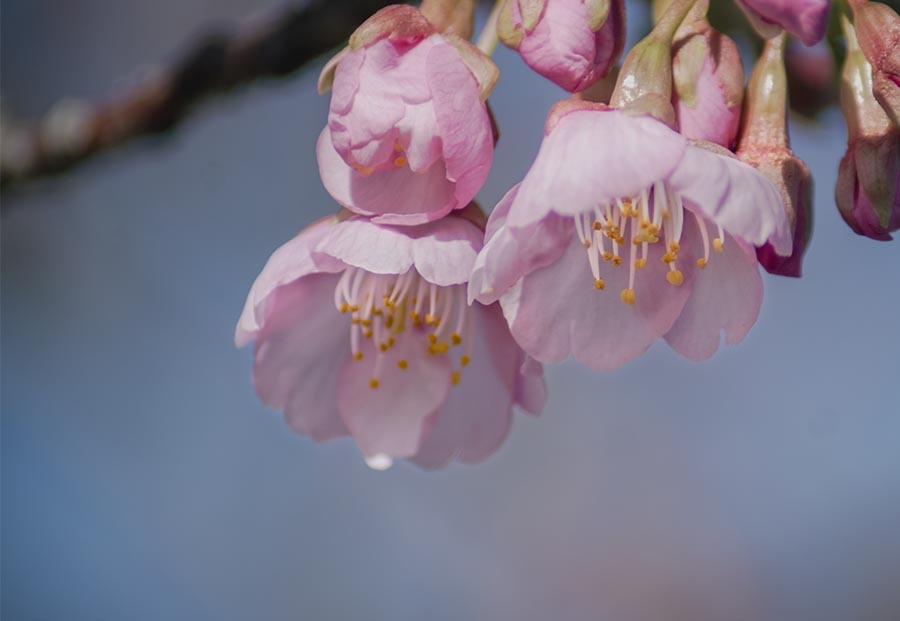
pixel 73 132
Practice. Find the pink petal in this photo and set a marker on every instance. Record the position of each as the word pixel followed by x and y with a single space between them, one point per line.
pixel 476 418
pixel 299 353
pixel 727 296
pixel 442 252
pixel 398 196
pixel 805 19
pixel 510 254
pixel 557 312
pixel 592 157
pixel 531 392
pixel 418 135
pixel 735 196
pixel 462 120
pixel 562 47
pixel 290 262
pixel 390 418
pixel 711 118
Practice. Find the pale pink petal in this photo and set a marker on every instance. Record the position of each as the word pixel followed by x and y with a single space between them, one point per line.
pixel 399 196
pixel 726 297
pixel 592 157
pixel 290 262
pixel 463 121
pixel 557 312
pixel 418 136
pixel 442 252
pixel 531 392
pixel 300 350
pixel 510 254
pixel 389 419
pixel 476 418
pixel 735 196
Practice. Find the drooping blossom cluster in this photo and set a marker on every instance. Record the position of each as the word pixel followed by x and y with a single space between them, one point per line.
pixel 415 325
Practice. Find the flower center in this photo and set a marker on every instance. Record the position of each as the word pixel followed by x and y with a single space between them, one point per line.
pixel 656 215
pixel 384 307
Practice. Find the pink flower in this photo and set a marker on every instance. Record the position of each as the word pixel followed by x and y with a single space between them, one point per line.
pixel 805 19
pixel 363 329
pixel 623 231
pixel 573 43
pixel 709 85
pixel 409 136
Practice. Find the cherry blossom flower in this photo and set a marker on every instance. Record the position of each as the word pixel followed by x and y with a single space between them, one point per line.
pixel 623 231
pixel 363 329
pixel 573 43
pixel 409 135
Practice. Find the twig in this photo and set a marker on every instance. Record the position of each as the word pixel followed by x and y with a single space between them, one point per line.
pixel 73 132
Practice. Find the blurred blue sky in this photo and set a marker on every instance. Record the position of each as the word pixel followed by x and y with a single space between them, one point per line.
pixel 142 480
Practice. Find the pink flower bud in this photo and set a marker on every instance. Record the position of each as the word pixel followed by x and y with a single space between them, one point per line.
pixel 573 43
pixel 868 187
pixel 811 75
pixel 765 145
pixel 878 29
pixel 409 135
pixel 709 83
pixel 805 19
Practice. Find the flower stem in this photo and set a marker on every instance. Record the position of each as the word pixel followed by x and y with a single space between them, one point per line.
pixel 487 38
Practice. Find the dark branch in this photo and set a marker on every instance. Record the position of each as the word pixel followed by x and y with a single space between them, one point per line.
pixel 72 132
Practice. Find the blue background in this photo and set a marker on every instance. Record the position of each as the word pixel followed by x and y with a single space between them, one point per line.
pixel 142 479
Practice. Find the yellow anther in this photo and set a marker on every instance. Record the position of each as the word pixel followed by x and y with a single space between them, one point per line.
pixel 628 296
pixel 400 162
pixel 397 146
pixel 617 260
pixel 377 311
pixel 717 244
pixel 455 338
pixel 390 341
pixel 389 321
pixel 599 284
pixel 373 383
pixel 665 213
pixel 414 315
pixel 384 347
pixel 354 307
pixel 597 226
pixel 668 258
pixel 701 263
pixel 430 319
pixel 367 334
pixel 366 322
pixel 354 320
pixel 675 277
pixel 464 360
pixel 403 364
pixel 620 240
pixel 345 307
pixel 454 377
pixel 640 263
pixel 357 355
pixel 607 256
pixel 441 347
pixel 674 246
pixel 432 338
pixel 363 170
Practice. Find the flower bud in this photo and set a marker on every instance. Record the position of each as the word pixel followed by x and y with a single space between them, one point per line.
pixel 805 19
pixel 811 75
pixel 765 145
pixel 709 82
pixel 868 186
pixel 878 29
pixel 573 43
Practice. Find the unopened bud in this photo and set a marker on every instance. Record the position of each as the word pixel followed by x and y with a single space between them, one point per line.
pixel 805 19
pixel 573 43
pixel 868 186
pixel 765 145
